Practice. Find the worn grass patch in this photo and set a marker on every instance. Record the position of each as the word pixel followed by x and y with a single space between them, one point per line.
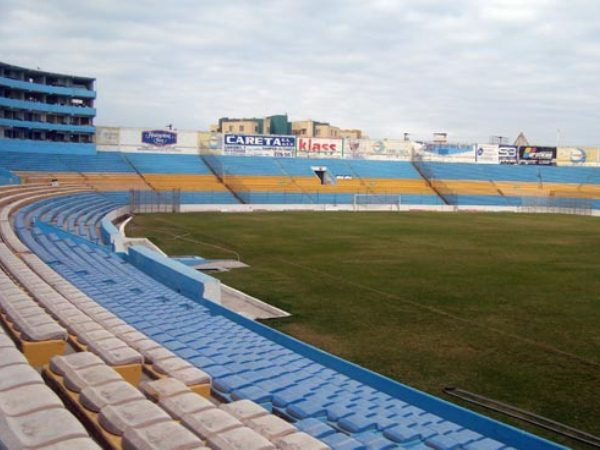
pixel 504 305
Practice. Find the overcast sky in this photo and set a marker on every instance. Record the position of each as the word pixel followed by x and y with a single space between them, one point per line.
pixel 470 68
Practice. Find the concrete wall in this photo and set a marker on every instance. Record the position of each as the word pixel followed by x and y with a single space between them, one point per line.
pixel 61 148
pixel 179 277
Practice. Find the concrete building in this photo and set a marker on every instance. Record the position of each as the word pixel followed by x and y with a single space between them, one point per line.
pixel 353 133
pixel 277 124
pixel 46 112
pixel 312 128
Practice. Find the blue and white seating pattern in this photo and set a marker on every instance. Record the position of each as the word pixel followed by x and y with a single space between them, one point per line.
pixel 244 365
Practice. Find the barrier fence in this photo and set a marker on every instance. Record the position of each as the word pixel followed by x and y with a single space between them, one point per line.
pixel 155 201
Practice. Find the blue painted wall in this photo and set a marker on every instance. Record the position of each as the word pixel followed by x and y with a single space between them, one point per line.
pixel 38 106
pixel 177 276
pixel 46 147
pixel 45 88
pixel 7 177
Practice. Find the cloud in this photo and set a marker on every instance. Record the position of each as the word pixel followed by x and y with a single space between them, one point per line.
pixel 470 68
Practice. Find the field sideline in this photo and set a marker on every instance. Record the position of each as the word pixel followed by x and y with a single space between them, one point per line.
pixel 504 305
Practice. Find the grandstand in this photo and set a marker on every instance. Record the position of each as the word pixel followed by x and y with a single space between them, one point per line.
pixel 125 317
pixel 220 179
pixel 64 287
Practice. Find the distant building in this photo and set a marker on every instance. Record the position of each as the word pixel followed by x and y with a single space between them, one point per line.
pixel 353 133
pixel 277 124
pixel 44 111
pixel 440 138
pixel 521 140
pixel 312 128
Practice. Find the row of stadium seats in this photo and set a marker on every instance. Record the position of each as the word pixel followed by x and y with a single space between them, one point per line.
pixel 53 162
pixel 522 173
pixel 244 365
pixel 31 414
pixel 165 413
pixel 264 179
pixel 94 384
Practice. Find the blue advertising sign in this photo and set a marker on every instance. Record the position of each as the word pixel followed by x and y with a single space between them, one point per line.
pixel 160 138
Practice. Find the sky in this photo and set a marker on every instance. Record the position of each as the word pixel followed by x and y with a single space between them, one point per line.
pixel 471 68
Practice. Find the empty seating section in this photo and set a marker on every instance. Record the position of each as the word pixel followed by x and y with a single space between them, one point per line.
pixel 80 215
pixel 483 182
pixel 39 162
pixel 168 164
pixel 195 343
pixel 242 165
pixel 293 180
pixel 523 173
pixel 31 414
pixel 8 178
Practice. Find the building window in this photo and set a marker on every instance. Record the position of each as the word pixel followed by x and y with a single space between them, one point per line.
pixel 230 128
pixel 256 128
pixel 241 128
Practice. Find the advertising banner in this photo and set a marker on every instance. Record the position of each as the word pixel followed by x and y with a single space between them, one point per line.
pixel 319 148
pixel 140 140
pixel 507 154
pixel 448 152
pixel 210 143
pixel 545 156
pixel 380 149
pixel 107 137
pixel 258 145
pixel 159 138
pixel 578 156
pixel 487 154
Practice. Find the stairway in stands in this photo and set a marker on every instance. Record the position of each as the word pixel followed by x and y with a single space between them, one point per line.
pixel 426 174
pixel 136 170
pixel 216 169
pixel 305 194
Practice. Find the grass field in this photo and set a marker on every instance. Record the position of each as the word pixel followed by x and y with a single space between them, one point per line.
pixel 504 305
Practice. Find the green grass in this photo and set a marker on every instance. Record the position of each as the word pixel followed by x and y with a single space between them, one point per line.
pixel 504 305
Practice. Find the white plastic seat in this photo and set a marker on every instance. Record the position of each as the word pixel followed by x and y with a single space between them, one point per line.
pixel 300 441
pixel 191 376
pixel 9 356
pixel 45 427
pixel 79 443
pixel 242 438
pixel 210 422
pixel 18 375
pixel 115 352
pixel 94 335
pixel 76 380
pixel 182 404
pixel 28 399
pixel 163 388
pixel 136 414
pixel 156 354
pixel 161 436
pixel 95 398
pixel 75 361
pixel 271 426
pixel 244 409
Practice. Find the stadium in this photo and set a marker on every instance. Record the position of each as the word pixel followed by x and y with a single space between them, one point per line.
pixel 419 295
